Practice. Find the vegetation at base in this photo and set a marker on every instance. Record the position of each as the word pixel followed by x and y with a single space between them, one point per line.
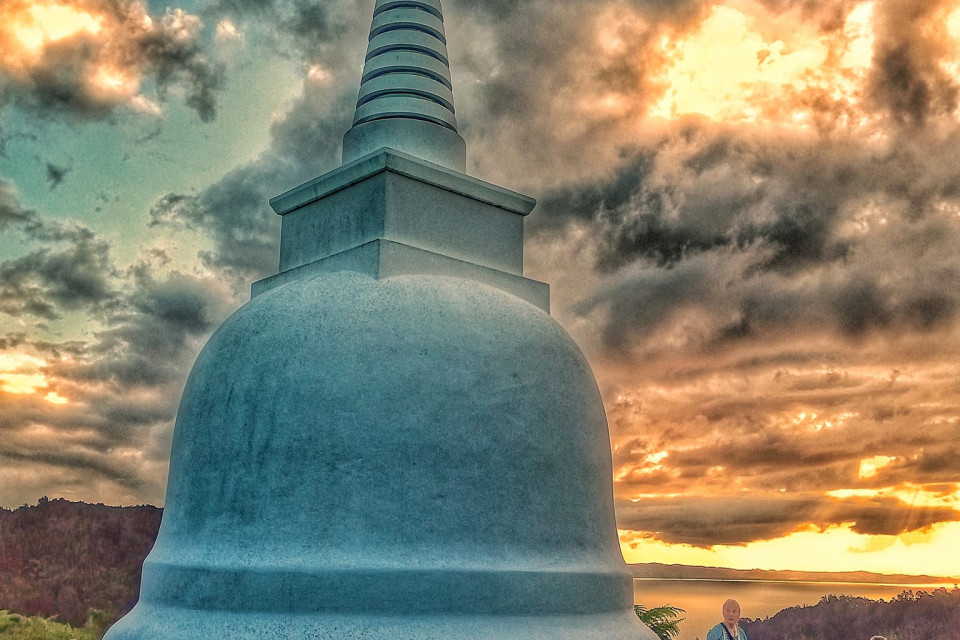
pixel 910 616
pixel 71 559
pixel 16 627
pixel 663 621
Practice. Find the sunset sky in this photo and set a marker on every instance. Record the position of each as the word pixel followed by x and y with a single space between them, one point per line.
pixel 749 213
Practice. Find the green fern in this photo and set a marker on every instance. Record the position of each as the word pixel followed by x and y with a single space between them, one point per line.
pixel 663 621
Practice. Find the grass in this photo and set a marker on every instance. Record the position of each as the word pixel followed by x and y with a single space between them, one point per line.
pixel 16 627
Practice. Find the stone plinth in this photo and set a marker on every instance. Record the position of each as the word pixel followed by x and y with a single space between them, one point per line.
pixel 389 214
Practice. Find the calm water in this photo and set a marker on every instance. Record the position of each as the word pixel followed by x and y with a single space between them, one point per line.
pixel 702 599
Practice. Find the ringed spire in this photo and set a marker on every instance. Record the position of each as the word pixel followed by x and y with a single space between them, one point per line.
pixel 406 91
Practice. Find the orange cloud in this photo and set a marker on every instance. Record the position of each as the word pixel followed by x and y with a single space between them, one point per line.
pixel 744 64
pixel 35 25
pixel 85 57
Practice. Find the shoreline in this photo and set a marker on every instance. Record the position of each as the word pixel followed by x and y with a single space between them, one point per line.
pixel 931 585
pixel 660 571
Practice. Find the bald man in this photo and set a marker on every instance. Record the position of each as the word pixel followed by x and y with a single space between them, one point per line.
pixel 729 629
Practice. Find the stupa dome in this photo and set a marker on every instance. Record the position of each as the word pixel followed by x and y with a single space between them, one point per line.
pixel 411 446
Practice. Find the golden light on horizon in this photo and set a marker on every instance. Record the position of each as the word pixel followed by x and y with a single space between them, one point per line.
pixel 930 551
pixel 909 494
pixel 926 550
pixel 19 373
pixel 22 374
pixel 22 383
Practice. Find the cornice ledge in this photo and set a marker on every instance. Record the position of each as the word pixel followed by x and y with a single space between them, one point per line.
pixel 386 159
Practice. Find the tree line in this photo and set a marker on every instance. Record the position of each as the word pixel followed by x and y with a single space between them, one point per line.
pixel 921 615
pixel 74 561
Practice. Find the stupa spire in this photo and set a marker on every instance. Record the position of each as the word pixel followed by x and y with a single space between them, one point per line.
pixel 406 92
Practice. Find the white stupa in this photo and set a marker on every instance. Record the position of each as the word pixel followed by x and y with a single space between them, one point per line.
pixel 393 439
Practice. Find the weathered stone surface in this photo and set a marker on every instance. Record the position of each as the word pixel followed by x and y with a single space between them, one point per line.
pixel 393 196
pixel 409 457
pixel 390 214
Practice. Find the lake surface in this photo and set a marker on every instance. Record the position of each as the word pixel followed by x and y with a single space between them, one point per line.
pixel 703 599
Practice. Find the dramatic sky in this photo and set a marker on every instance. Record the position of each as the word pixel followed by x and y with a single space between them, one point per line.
pixel 749 213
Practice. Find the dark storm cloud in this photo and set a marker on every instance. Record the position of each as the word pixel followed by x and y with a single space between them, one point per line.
pixel 72 270
pixel 768 451
pixel 908 80
pixel 303 29
pixel 718 253
pixel 944 462
pixel 120 385
pixel 152 339
pixel 234 212
pixel 177 60
pixel 47 281
pixel 538 43
pixel 89 73
pixel 181 303
pixel 737 520
pixel 11 211
pixel 235 215
pixel 99 465
pixel 706 187
pixel 522 74
pixel 780 425
pixel 770 232
pixel 666 11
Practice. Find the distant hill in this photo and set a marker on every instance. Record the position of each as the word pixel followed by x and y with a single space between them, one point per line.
pixel 684 572
pixel 71 559
pixel 910 616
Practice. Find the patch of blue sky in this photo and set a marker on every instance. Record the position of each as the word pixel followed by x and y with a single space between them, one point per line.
pixel 113 171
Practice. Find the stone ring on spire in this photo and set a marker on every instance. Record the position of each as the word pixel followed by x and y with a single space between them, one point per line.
pixel 406 93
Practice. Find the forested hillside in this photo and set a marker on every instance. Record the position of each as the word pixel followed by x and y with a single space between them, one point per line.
pixel 910 616
pixel 71 559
